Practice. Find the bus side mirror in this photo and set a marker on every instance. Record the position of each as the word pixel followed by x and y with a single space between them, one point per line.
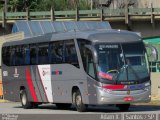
pixel 152 52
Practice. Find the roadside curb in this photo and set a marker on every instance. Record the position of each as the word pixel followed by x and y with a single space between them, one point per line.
pixel 3 101
pixel 155 98
pixel 151 103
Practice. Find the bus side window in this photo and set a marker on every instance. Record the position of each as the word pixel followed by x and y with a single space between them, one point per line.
pixel 27 55
pixel 33 55
pixel 88 63
pixel 6 55
pixel 52 54
pixel 56 52
pixel 87 57
pixel 70 53
pixel 12 56
pixel 43 54
pixel 19 56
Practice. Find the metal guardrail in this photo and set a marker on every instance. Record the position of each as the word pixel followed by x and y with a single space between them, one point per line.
pixel 81 13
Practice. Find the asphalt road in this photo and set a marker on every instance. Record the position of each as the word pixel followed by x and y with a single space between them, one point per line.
pixel 50 112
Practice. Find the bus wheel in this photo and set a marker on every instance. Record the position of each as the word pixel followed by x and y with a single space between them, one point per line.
pixel 123 107
pixel 77 100
pixel 63 105
pixel 24 100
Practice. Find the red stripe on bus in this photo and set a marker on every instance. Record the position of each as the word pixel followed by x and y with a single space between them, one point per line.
pixel 30 84
pixel 114 87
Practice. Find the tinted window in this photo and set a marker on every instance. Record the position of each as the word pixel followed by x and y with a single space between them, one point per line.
pixel 16 55
pixel 6 55
pixel 43 54
pixel 27 55
pixel 70 53
pixel 33 55
pixel 53 53
pixel 56 52
pixel 87 57
pixel 82 43
pixel 19 55
pixel 88 63
pixel 12 56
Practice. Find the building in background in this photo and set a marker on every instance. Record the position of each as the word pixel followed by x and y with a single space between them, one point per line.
pixel 147 3
pixel 121 3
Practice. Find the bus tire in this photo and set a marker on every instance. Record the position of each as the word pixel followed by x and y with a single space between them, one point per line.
pixel 123 107
pixel 78 102
pixel 63 105
pixel 24 100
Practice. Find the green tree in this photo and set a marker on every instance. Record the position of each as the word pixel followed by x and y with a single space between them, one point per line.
pixel 21 5
pixel 83 4
pixel 60 5
pixel 13 5
pixel 45 5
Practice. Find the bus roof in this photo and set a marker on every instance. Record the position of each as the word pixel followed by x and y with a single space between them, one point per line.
pixel 110 36
pixel 36 28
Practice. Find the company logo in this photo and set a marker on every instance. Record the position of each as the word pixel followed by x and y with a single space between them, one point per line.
pixel 45 73
pixel 16 73
pixel 128 92
pixel 126 87
pixel 57 72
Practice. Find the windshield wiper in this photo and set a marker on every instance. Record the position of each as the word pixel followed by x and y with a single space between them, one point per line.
pixel 121 70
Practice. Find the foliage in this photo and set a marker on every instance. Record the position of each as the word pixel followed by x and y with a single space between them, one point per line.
pixel 45 5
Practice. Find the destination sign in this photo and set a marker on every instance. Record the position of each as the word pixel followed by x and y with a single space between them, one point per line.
pixel 108 46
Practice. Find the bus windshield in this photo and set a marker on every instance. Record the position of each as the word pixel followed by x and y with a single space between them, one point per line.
pixel 122 62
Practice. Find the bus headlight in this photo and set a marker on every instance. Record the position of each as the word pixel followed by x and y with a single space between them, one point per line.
pixel 147 84
pixel 104 90
pixel 107 91
pixel 102 98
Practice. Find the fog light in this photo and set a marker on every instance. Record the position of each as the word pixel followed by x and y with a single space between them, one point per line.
pixel 149 96
pixel 102 98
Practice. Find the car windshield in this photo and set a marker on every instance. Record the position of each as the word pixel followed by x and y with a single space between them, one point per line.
pixel 122 62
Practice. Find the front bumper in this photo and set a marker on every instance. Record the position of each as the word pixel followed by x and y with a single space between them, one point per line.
pixel 105 96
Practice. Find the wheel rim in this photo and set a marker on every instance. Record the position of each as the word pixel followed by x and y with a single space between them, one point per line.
pixel 24 100
pixel 78 100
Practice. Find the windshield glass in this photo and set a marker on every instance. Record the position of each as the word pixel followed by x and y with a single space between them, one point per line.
pixel 121 62
pixel 134 55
